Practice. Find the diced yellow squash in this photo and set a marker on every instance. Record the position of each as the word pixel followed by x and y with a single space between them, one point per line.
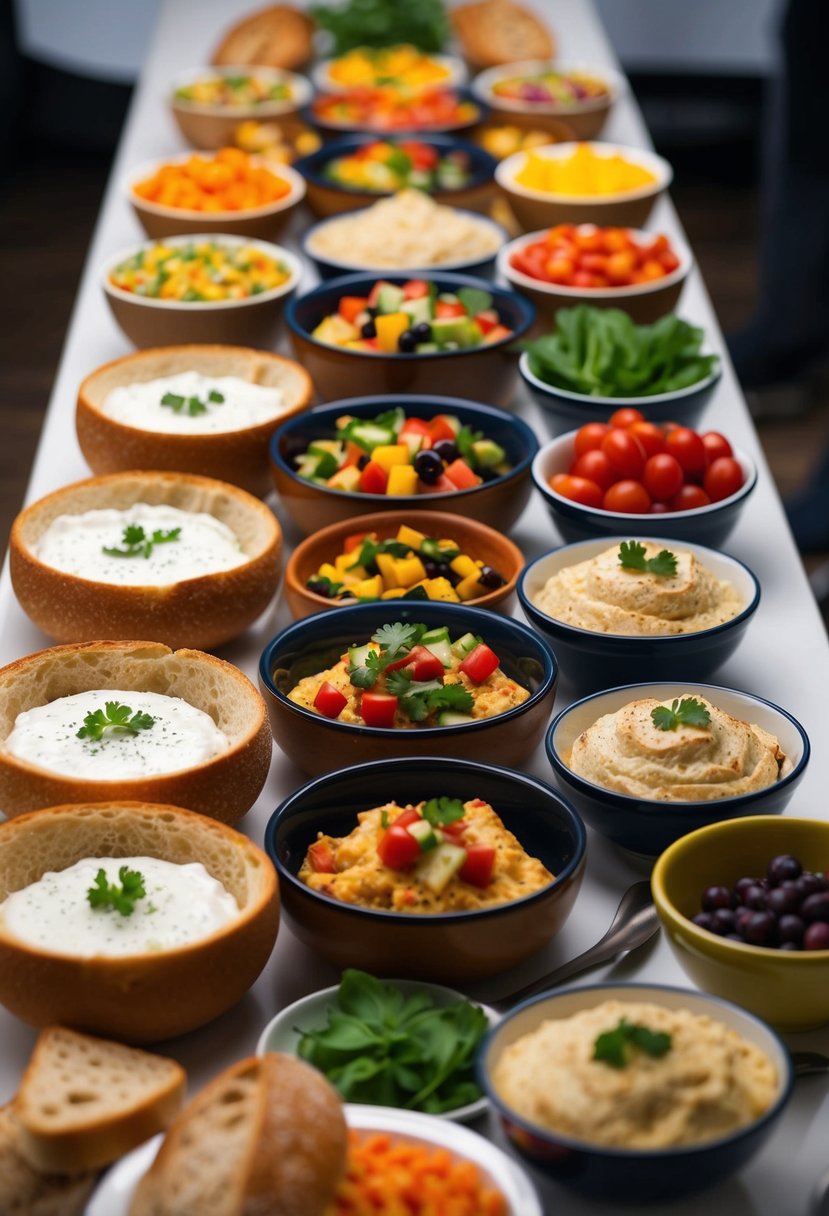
pixel 343 561
pixel 389 328
pixel 369 588
pixel 402 479
pixel 441 589
pixel 471 587
pixel 448 544
pixel 410 536
pixel 409 570
pixel 326 570
pixel 387 455
pixel 347 478
pixel 463 565
pixel 393 593
pixel 386 564
pixel 335 331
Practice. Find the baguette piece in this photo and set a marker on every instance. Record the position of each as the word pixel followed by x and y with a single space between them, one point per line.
pixel 83 1102
pixel 498 31
pixel 267 1136
pixel 23 1191
pixel 277 37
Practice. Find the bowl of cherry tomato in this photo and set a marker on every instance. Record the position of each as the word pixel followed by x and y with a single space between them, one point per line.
pixel 631 474
pixel 384 108
pixel 629 268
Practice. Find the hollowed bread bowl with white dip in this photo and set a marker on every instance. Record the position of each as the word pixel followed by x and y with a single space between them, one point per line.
pixel 223 787
pixel 157 994
pixel 240 456
pixel 201 611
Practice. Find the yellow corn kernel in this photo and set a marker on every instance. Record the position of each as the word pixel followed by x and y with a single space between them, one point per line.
pixel 389 328
pixel 409 570
pixel 469 588
pixel 402 479
pixel 388 569
pixel 441 589
pixel 387 455
pixel 410 536
pixel 463 565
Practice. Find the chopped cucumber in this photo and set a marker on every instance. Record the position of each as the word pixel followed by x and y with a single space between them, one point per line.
pixel 441 650
pixel 424 834
pixel 370 436
pixel 419 309
pixel 441 634
pixel 357 655
pixel 440 866
pixel 389 298
pixel 450 717
pixel 464 645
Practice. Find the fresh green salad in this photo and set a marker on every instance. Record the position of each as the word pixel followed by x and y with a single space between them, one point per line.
pixel 423 23
pixel 601 352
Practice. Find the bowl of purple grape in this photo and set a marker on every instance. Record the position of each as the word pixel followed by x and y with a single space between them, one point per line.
pixel 745 908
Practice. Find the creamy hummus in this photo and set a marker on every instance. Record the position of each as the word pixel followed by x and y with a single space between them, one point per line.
pixel 708 1084
pixel 602 596
pixel 626 752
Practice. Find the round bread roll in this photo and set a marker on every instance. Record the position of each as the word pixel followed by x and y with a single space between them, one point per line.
pixel 268 1135
pixel 276 37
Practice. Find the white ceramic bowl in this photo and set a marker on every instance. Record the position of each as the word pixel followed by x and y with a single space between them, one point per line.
pixel 455 68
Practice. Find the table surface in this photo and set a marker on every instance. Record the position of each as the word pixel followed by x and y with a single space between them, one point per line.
pixel 784 657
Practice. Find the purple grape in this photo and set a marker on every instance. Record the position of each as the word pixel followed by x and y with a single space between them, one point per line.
pixel 816 907
pixel 782 867
pixel 716 897
pixel 725 920
pixel 741 917
pixel 742 885
pixel 809 884
pixel 816 936
pixel 785 898
pixel 704 920
pixel 790 929
pixel 759 929
pixel 755 897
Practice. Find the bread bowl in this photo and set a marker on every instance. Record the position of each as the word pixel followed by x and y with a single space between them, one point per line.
pixel 200 610
pixel 146 996
pixel 224 787
pixel 111 444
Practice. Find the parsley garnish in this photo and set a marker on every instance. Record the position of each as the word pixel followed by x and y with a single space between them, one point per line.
pixel 687 712
pixel 632 557
pixel 613 1047
pixel 115 717
pixel 137 544
pixel 191 406
pixel 122 898
pixel 440 811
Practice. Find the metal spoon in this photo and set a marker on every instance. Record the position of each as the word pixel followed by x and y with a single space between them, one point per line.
pixel 635 923
pixel 808 1063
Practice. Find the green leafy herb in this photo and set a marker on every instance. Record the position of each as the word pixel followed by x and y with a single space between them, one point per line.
pixel 396 637
pixel 474 299
pixel 381 1047
pixel 122 898
pixel 367 674
pixel 419 699
pixel 136 543
pixel 464 440
pixel 632 557
pixel 383 23
pixel 192 406
pixel 687 712
pixel 440 811
pixel 323 585
pixel 118 718
pixel 614 1047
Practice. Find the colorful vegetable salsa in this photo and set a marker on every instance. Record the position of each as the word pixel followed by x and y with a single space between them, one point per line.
pixel 587 256
pixel 230 180
pixel 564 90
pixel 199 271
pixel 241 91
pixel 389 109
pixel 585 173
pixel 384 166
pixel 402 66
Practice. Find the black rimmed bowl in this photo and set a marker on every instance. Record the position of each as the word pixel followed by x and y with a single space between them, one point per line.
pixel 635 1175
pixel 317 744
pixel 481 372
pixel 592 660
pixel 498 502
pixel 454 947
pixel 704 525
pixel 647 826
pixel 325 196
pixel 567 410
pixel 332 130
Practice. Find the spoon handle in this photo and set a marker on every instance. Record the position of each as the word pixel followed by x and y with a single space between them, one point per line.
pixel 807 1063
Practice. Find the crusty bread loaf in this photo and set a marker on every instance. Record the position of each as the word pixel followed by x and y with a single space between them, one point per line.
pixel 24 1191
pixel 278 37
pixel 499 31
pixel 266 1136
pixel 225 787
pixel 240 457
pixel 83 1102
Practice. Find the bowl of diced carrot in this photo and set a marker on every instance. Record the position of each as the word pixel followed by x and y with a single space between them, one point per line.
pixel 226 191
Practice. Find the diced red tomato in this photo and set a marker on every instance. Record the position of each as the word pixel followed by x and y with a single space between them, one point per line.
pixel 455 829
pixel 329 701
pixel 355 540
pixel 461 475
pixel 487 320
pixel 479 864
pixel 417 426
pixel 480 663
pixel 415 289
pixel 423 156
pixel 424 665
pixel 378 708
pixel 441 428
pixel 410 815
pixel 370 343
pixel 320 858
pixel 449 308
pixel 442 486
pixel 351 307
pixel 375 292
pixel 373 479
pixel 497 334
pixel 398 849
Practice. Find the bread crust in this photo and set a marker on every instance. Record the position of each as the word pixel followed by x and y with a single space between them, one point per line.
pixel 224 787
pixel 498 31
pixel 140 998
pixel 239 457
pixel 278 37
pixel 24 1191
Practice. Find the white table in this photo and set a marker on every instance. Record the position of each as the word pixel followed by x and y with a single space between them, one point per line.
pixel 784 657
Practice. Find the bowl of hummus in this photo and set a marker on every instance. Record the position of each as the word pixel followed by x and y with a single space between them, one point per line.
pixel 635 1091
pixel 619 609
pixel 647 763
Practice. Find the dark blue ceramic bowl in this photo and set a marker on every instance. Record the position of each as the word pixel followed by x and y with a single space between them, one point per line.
pixel 647 826
pixel 568 411
pixel 498 502
pixel 706 525
pixel 317 744
pixel 591 659
pixel 453 947
pixel 633 1176
pixel 335 129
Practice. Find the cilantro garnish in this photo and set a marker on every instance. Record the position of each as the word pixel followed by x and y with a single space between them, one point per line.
pixel 440 811
pixel 136 543
pixel 367 675
pixel 614 1047
pixel 632 557
pixel 192 406
pixel 420 699
pixel 116 717
pixel 687 712
pixel 122 898
pixel 394 638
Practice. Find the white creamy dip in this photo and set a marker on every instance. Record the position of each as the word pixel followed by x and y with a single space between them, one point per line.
pixel 243 404
pixel 182 904
pixel 75 544
pixel 180 737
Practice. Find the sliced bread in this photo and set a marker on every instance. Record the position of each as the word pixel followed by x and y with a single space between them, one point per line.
pixel 500 31
pixel 25 1192
pixel 266 1136
pixel 279 36
pixel 83 1101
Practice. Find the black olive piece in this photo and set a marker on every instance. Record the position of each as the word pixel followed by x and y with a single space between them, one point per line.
pixel 369 330
pixel 423 332
pixel 428 466
pixel 363 460
pixel 447 449
pixel 407 341
pixel 433 569
pixel 488 474
pixel 490 578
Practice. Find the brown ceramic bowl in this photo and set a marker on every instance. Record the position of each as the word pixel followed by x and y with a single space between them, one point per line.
pixel 444 947
pixel 200 612
pixel 224 787
pixel 584 118
pixel 474 538
pixel 214 126
pixel 156 994
pixel 317 744
pixel 536 209
pixel 111 445
pixel 253 321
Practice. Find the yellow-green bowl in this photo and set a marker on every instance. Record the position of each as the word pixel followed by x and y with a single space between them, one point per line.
pixel 788 988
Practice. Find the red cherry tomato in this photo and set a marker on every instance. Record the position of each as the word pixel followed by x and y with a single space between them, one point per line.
pixel 626 416
pixel 577 489
pixel 589 436
pixel 320 858
pixel 410 815
pixel 373 479
pixel 398 848
pixel 663 476
pixel 329 701
pixel 659 508
pixel 479 864
pixel 625 453
pixel 378 708
pixel 688 448
pixel 689 498
pixel 724 478
pixel 423 664
pixel 629 497
pixel 480 663
pixel 716 445
pixel 595 466
pixel 448 308
pixel 650 437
